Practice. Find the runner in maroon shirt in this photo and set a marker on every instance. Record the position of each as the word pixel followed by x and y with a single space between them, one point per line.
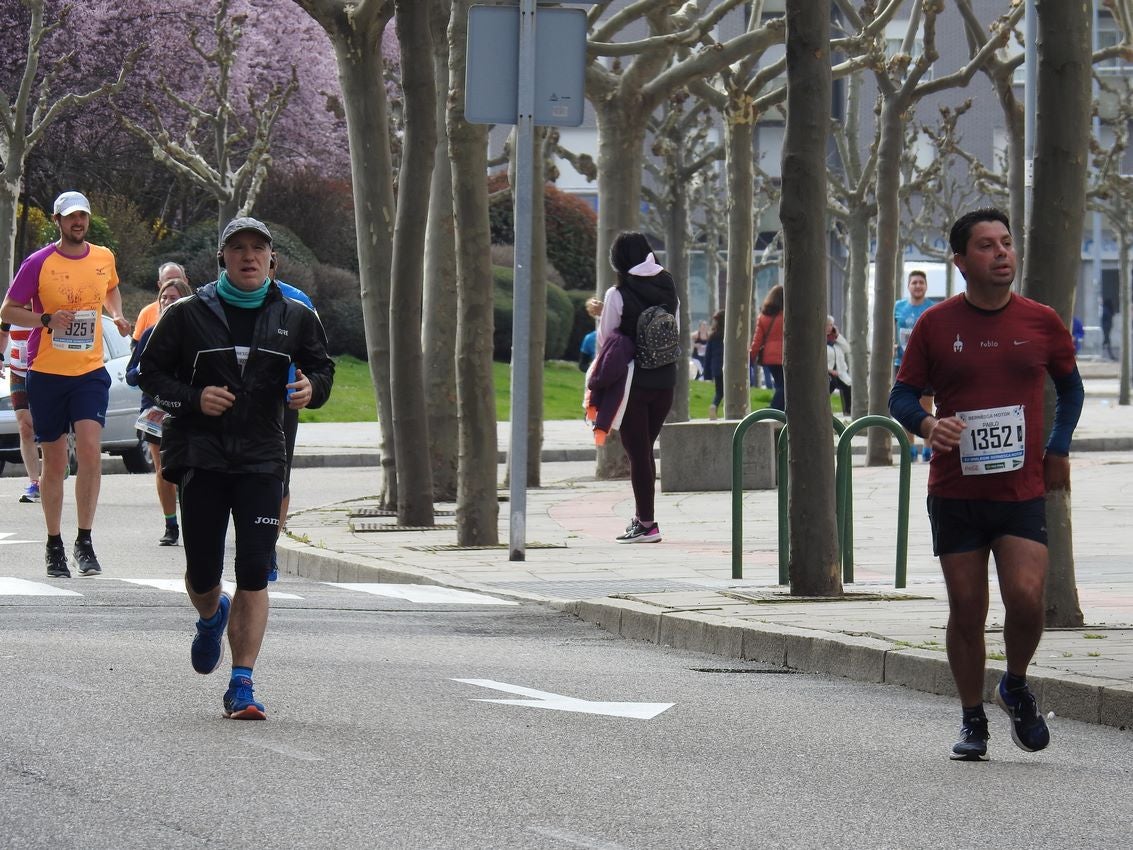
pixel 987 353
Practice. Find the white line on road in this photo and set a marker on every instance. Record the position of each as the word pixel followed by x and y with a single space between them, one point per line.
pixel 558 702
pixel 177 585
pixel 23 587
pixel 4 535
pixel 427 593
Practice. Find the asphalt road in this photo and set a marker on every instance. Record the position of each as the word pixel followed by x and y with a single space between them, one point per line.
pixel 108 739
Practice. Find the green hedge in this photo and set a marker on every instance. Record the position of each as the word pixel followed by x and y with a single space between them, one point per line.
pixel 560 317
pixel 572 231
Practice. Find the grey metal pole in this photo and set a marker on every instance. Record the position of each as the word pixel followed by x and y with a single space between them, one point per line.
pixel 521 315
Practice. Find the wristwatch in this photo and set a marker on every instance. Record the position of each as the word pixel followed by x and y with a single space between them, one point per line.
pixel 45 319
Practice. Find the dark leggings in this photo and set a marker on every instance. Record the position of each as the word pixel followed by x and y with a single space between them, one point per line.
pixel 641 425
pixel 208 499
pixel 716 399
pixel 777 398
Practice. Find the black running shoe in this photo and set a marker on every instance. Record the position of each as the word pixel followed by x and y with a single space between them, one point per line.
pixel 1028 728
pixel 56 558
pixel 972 745
pixel 85 561
pixel 171 536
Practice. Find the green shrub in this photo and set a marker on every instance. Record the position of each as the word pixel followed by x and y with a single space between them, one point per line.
pixel 194 248
pixel 337 295
pixel 559 317
pixel 572 230
pixel 132 237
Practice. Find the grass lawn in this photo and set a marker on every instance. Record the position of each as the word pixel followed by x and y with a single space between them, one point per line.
pixel 352 399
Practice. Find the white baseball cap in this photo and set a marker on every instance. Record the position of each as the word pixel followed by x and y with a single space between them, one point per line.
pixel 70 202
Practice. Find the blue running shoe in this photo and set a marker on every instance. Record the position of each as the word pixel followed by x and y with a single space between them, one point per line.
pixel 912 454
pixel 926 453
pixel 972 745
pixel 240 703
pixel 1028 728
pixel 208 645
pixel 273 571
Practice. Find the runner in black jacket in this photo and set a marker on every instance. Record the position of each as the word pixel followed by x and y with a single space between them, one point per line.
pixel 218 364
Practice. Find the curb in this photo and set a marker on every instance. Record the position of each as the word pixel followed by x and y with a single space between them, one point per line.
pixel 305 460
pixel 857 657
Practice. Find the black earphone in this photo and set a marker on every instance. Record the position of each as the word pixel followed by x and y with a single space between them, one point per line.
pixel 220 260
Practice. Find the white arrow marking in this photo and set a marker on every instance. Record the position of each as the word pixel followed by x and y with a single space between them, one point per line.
pixel 23 587
pixel 4 541
pixel 177 585
pixel 558 702
pixel 426 593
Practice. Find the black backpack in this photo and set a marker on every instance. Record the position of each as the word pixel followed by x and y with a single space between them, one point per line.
pixel 658 338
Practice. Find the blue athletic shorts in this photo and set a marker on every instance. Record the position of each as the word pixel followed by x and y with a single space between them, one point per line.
pixel 968 525
pixel 58 401
pixel 208 499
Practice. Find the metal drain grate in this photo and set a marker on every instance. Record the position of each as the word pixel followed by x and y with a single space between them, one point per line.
pixel 385 526
pixel 382 512
pixel 741 670
pixel 456 547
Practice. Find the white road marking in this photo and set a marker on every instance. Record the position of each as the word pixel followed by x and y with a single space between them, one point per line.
pixel 427 593
pixel 23 587
pixel 4 541
pixel 177 585
pixel 558 702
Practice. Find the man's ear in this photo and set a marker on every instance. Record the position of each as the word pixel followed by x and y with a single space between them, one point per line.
pixel 271 262
pixel 220 258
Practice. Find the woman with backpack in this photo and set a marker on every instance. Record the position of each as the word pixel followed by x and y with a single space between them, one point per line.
pixel 630 308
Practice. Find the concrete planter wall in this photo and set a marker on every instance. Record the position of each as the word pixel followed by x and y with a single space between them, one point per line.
pixel 697 456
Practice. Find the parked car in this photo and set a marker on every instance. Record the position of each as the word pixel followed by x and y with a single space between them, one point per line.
pixel 119 437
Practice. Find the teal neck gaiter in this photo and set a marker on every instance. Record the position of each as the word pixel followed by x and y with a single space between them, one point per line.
pixel 237 297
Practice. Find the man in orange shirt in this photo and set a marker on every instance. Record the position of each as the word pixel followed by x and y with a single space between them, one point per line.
pixel 67 284
pixel 147 316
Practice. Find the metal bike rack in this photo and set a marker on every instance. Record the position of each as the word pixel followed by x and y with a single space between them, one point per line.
pixel 845 501
pixel 781 486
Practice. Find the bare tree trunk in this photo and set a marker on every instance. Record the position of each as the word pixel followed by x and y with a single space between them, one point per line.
pixel 858 318
pixel 621 137
pixel 1125 302
pixel 439 305
pixel 620 160
pixel 878 445
pixel 739 285
pixel 355 30
pixel 1054 238
pixel 407 376
pixel 9 203
pixel 814 563
pixel 477 508
pixel 676 262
